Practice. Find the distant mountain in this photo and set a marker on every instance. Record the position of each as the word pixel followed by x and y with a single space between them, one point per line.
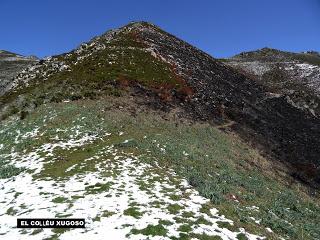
pixel 10 65
pixel 294 75
pixel 274 55
pixel 130 112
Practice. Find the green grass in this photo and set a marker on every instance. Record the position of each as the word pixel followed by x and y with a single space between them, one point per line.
pixel 59 200
pixel 175 197
pixel 174 208
pixel 107 213
pixel 67 159
pixel 241 236
pixel 202 220
pixel 217 164
pixel 98 188
pixel 308 58
pixel 133 212
pixel 7 170
pixel 185 228
pixel 151 230
pixel 165 222
pixel 189 236
pixel 123 61
pixel 11 211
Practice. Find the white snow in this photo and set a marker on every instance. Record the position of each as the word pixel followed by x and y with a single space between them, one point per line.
pixel 120 181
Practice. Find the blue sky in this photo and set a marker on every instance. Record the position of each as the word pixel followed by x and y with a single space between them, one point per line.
pixel 221 28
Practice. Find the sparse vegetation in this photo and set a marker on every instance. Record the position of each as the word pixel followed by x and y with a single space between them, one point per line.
pixel 133 212
pixel 218 164
pixel 239 182
pixel 103 73
pixel 7 170
pixel 151 230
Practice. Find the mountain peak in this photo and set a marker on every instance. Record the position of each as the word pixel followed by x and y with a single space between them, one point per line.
pixel 267 49
pixel 133 26
pixel 263 53
pixel 139 24
pixel 10 56
pixel 142 56
pixel 4 53
pixel 116 113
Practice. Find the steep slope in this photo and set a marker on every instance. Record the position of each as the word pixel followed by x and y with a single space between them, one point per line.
pixel 153 70
pixel 10 65
pixel 293 77
pixel 141 55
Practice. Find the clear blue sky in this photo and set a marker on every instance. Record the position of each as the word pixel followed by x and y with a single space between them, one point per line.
pixel 220 27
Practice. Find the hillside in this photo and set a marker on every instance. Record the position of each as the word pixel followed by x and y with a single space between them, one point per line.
pixel 295 75
pixel 10 65
pixel 139 131
pixel 141 55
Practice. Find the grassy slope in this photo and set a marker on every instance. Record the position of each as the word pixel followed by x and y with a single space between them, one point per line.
pixel 218 164
pixel 124 61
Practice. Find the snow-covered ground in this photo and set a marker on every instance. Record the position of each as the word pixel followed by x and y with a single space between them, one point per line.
pixel 118 194
pixel 302 73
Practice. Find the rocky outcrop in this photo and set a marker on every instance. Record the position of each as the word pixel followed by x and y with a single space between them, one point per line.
pixel 10 65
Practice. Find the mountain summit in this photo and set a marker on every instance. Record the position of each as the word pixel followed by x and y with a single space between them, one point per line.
pixel 137 123
pixel 141 55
